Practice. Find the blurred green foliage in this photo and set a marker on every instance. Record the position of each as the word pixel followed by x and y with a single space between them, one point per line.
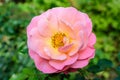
pixel 15 15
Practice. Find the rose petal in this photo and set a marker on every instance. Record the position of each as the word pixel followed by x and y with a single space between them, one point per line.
pixel 36 42
pixel 65 48
pixel 54 54
pixel 86 53
pixel 41 64
pixel 88 25
pixel 78 26
pixel 61 13
pixel 92 56
pixel 32 24
pixel 65 27
pixel 92 40
pixel 61 64
pixel 80 63
pixel 46 26
pixel 83 39
pixel 75 48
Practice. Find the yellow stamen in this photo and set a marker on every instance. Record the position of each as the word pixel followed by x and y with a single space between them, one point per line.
pixel 57 39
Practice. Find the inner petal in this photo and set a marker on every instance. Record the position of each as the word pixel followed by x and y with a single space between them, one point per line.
pixel 54 54
pixel 64 26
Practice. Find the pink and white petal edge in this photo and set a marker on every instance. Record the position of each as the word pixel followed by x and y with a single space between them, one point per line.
pixel 61 64
pixel 80 63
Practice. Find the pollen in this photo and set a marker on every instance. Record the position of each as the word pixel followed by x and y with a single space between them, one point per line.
pixel 57 39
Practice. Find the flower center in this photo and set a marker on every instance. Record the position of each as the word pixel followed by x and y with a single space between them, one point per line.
pixel 57 39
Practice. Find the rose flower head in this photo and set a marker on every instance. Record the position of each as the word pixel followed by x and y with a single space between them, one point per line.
pixel 61 40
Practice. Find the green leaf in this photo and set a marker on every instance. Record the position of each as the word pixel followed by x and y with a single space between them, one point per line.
pixel 118 70
pixel 104 63
pixel 119 56
pixel 28 71
pixel 117 78
pixel 96 78
pixel 33 77
pixel 18 77
pixel 80 77
pixel 94 69
pixel 54 77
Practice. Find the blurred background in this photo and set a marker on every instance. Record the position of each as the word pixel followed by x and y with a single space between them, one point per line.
pixel 15 15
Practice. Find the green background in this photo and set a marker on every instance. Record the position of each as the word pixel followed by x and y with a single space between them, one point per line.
pixel 15 63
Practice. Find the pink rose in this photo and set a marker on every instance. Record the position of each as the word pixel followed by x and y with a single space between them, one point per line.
pixel 61 39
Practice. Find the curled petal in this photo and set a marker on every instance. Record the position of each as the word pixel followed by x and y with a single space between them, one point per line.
pixel 75 47
pixel 66 48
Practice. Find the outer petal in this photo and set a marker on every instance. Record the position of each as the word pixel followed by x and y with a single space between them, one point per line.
pixel 32 24
pixel 88 25
pixel 44 28
pixel 84 23
pixel 61 64
pixel 92 56
pixel 41 64
pixel 48 24
pixel 92 40
pixel 61 13
pixel 36 42
pixel 72 16
pixel 80 63
pixel 86 53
